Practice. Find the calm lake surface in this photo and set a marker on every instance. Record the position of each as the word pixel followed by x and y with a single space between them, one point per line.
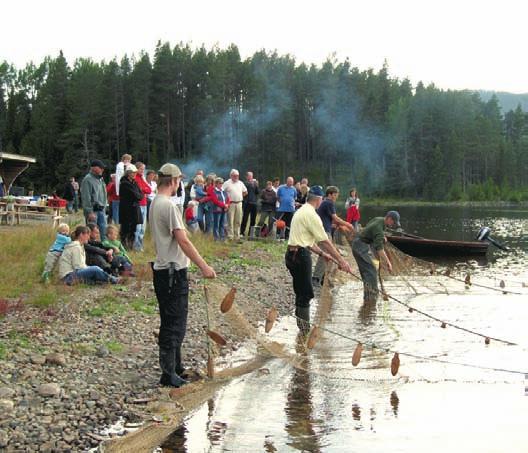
pixel 330 406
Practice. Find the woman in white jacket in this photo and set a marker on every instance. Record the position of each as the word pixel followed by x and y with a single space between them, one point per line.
pixel 72 263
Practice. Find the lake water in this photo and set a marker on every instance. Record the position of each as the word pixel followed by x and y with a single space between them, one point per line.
pixel 330 406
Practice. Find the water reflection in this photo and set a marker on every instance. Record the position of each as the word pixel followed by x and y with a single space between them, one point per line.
pixel 395 403
pixel 299 409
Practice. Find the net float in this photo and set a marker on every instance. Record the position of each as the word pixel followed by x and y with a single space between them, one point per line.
pixel 217 338
pixel 313 337
pixel 467 280
pixel 395 364
pixel 487 340
pixel 228 300
pixel 210 368
pixel 502 284
pixel 443 325
pixel 357 354
pixel 270 319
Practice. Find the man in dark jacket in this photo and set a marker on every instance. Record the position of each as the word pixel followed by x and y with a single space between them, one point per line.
pixel 268 200
pixel 250 203
pixel 69 195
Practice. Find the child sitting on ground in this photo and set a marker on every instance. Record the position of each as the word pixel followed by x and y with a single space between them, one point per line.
pixel 112 241
pixel 190 217
pixel 55 251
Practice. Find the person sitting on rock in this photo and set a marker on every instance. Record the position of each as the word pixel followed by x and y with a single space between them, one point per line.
pixel 72 263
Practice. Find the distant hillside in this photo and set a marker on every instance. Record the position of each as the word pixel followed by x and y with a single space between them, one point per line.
pixel 507 101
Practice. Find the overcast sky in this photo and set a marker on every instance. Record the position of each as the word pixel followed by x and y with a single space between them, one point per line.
pixel 455 44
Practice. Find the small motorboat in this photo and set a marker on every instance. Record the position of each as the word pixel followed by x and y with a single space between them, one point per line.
pixel 418 246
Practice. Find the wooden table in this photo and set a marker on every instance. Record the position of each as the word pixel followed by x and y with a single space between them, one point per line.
pixel 18 210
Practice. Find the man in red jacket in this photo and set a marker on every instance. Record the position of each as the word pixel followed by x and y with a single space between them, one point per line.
pixel 145 188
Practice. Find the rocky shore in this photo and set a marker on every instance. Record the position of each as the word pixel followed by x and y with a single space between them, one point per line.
pixel 73 368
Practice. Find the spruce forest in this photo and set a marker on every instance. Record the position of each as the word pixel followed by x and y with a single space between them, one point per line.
pixel 208 108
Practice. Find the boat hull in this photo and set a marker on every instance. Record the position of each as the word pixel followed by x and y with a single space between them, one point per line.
pixel 432 247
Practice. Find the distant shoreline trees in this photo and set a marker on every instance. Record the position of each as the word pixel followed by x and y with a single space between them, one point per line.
pixel 209 108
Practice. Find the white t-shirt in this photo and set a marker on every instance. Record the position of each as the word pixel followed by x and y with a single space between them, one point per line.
pixel 153 189
pixel 179 201
pixel 235 190
pixel 164 218
pixel 120 171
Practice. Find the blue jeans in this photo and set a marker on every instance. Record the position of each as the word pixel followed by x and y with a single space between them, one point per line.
pixel 101 223
pixel 219 230
pixel 140 230
pixel 209 220
pixel 90 275
pixel 115 212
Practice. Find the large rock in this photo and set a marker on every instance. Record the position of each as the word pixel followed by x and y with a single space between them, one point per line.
pixel 4 439
pixel 37 359
pixel 49 390
pixel 6 393
pixel 56 359
pixel 6 406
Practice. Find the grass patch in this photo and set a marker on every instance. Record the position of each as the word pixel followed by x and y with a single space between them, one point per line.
pixel 3 350
pixel 114 346
pixel 18 339
pixel 109 306
pixel 45 298
pixel 147 306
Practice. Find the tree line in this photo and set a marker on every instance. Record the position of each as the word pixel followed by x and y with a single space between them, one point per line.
pixel 210 108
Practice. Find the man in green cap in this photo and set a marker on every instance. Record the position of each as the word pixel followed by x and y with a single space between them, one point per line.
pixel 368 245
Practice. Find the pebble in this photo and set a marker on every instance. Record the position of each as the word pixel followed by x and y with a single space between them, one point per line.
pixel 102 351
pixel 4 439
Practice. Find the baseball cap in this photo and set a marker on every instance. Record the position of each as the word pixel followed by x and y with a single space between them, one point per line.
pixel 317 191
pixel 170 170
pixel 394 215
pixel 97 163
pixel 131 168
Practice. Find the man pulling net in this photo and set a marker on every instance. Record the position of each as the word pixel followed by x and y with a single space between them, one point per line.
pixel 368 246
pixel 307 235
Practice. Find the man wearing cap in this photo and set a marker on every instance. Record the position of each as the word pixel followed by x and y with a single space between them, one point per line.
pixel 173 252
pixel 93 194
pixel 371 240
pixel 236 191
pixel 308 235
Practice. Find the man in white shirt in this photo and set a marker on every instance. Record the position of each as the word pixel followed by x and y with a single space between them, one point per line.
pixel 236 190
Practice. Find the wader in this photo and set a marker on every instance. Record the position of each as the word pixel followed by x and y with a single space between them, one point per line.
pixel 369 274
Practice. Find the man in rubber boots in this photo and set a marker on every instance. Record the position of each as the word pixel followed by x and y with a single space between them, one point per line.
pixel 173 252
pixel 308 235
pixel 368 245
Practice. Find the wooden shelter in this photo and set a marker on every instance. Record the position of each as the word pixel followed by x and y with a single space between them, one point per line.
pixel 12 165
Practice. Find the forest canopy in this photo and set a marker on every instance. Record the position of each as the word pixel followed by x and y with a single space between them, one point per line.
pixel 210 109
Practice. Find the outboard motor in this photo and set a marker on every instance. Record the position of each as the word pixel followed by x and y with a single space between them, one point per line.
pixel 484 235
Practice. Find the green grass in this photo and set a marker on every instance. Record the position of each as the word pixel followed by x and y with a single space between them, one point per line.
pixel 45 298
pixel 114 346
pixel 106 307
pixel 148 307
pixel 3 350
pixel 18 339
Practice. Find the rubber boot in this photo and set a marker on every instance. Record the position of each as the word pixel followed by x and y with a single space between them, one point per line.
pixel 167 360
pixel 303 318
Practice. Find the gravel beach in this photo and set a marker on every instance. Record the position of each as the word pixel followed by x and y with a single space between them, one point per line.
pixel 73 368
